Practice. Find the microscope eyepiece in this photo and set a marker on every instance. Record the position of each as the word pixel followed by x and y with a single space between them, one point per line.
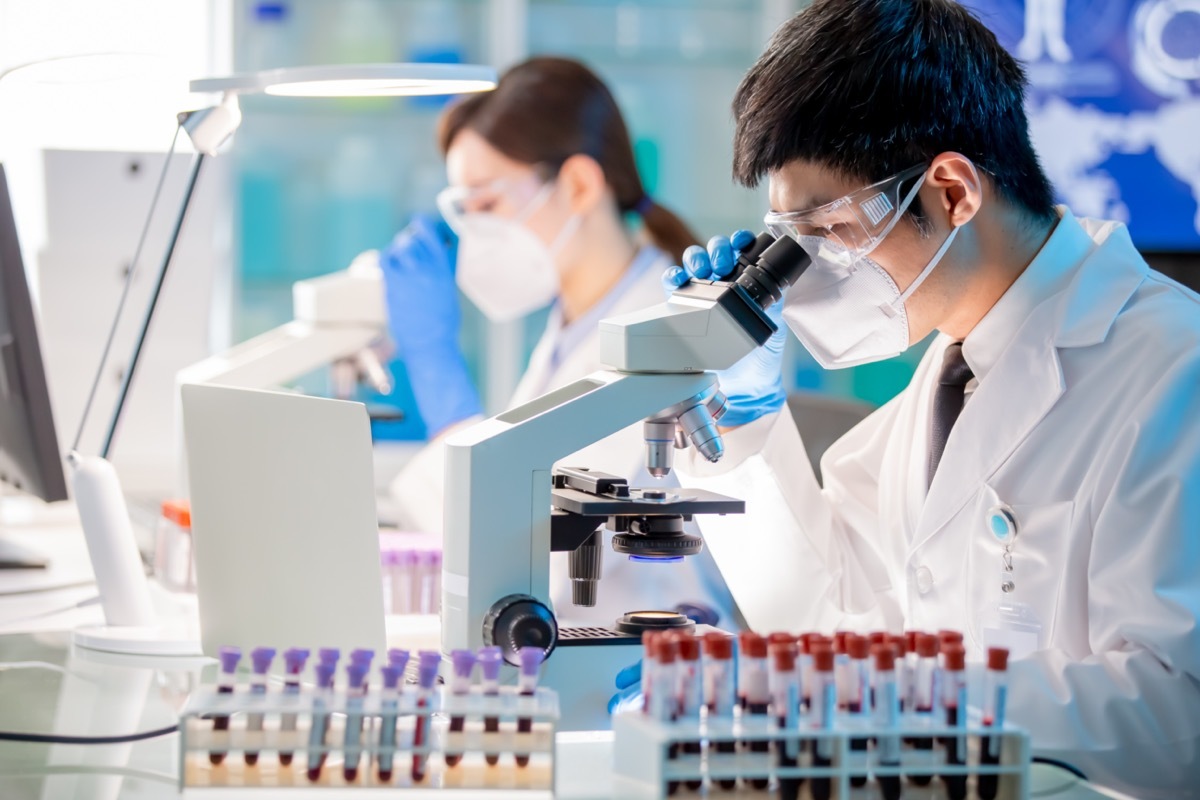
pixel 776 266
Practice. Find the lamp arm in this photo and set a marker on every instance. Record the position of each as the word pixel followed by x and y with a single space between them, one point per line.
pixel 127 378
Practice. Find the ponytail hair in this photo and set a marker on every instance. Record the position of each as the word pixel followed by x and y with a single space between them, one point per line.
pixel 545 110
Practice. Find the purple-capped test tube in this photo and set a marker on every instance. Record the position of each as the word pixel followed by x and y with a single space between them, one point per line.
pixel 393 679
pixel 531 667
pixel 490 660
pixel 356 691
pixel 260 660
pixel 320 719
pixel 294 660
pixel 463 662
pixel 427 674
pixel 364 657
pixel 229 658
pixel 328 655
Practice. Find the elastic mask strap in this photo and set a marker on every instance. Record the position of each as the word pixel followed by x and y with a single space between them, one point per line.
pixel 928 269
pixel 535 202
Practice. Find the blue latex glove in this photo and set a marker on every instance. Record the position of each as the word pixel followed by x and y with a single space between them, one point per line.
pixel 754 385
pixel 629 689
pixel 423 320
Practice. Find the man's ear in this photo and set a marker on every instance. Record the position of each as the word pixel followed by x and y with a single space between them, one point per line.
pixel 959 188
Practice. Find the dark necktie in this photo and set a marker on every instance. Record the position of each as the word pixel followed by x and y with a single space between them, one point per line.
pixel 947 402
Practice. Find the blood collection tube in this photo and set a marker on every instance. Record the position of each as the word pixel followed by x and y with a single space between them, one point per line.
pixel 856 687
pixel 427 672
pixel 740 672
pixel 328 655
pixel 389 705
pixel 784 680
pixel 946 638
pixel 995 698
pixel 463 662
pixel 665 704
pixel 720 695
pixel 649 663
pixel 758 693
pixel 841 668
pixel 356 691
pixel 925 694
pixel 322 699
pixel 900 649
pixel 229 658
pixel 821 716
pixel 691 694
pixel 294 660
pixel 527 682
pixel 260 660
pixel 887 716
pixel 490 659
pixel 954 700
pixel 907 701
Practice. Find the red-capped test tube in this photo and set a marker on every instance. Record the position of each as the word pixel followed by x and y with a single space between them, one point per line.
pixel 691 693
pixel 841 668
pixel 427 672
pixel 857 688
pixel 527 683
pixel 490 659
pixel 649 663
pixel 821 715
pixel 389 712
pixel 995 698
pixel 664 705
pixel 954 700
pixel 463 662
pixel 758 693
pixel 743 637
pixel 946 638
pixel 294 660
pixel 908 680
pixel 229 658
pixel 720 694
pixel 887 715
pixel 260 661
pixel 925 694
pixel 322 699
pixel 785 701
pixel 900 649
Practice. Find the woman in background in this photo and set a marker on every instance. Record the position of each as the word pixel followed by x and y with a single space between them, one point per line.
pixel 542 182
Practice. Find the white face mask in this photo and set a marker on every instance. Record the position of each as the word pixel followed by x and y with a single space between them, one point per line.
pixel 846 310
pixel 503 268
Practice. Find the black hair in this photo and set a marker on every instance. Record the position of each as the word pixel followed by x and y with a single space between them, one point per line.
pixel 869 88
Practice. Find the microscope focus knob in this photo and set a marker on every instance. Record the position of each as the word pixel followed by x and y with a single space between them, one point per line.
pixel 520 620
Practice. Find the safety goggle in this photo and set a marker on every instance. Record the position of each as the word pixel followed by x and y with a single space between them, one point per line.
pixel 514 198
pixel 858 221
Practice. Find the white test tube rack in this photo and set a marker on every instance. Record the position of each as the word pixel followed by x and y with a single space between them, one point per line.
pixel 644 768
pixel 198 776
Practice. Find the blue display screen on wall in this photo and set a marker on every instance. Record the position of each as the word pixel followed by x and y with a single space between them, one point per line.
pixel 1114 107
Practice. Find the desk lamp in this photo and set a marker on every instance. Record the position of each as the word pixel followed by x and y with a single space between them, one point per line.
pixel 131 624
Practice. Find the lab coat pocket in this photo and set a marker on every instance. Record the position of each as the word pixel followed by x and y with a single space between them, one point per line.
pixel 1017 563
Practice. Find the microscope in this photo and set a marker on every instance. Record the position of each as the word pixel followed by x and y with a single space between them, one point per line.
pixel 507 506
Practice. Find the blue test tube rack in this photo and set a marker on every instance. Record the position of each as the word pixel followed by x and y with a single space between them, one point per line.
pixel 649 764
pixel 199 777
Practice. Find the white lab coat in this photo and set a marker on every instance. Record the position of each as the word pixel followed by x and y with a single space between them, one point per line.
pixel 1086 423
pixel 626 586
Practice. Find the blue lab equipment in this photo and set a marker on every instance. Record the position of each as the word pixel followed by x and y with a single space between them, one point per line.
pixel 423 320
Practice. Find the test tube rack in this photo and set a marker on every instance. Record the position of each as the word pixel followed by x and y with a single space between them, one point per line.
pixel 649 761
pixel 199 777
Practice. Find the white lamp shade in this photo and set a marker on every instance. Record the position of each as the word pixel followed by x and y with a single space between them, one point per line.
pixel 356 80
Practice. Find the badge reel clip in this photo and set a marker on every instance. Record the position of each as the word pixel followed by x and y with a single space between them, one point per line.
pixel 1014 624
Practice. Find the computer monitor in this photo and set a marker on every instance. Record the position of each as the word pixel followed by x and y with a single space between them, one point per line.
pixel 30 460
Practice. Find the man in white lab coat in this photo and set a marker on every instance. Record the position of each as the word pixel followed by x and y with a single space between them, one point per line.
pixel 1037 485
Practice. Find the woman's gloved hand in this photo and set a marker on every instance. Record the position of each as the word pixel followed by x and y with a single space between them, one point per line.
pixel 629 689
pixel 424 318
pixel 754 385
